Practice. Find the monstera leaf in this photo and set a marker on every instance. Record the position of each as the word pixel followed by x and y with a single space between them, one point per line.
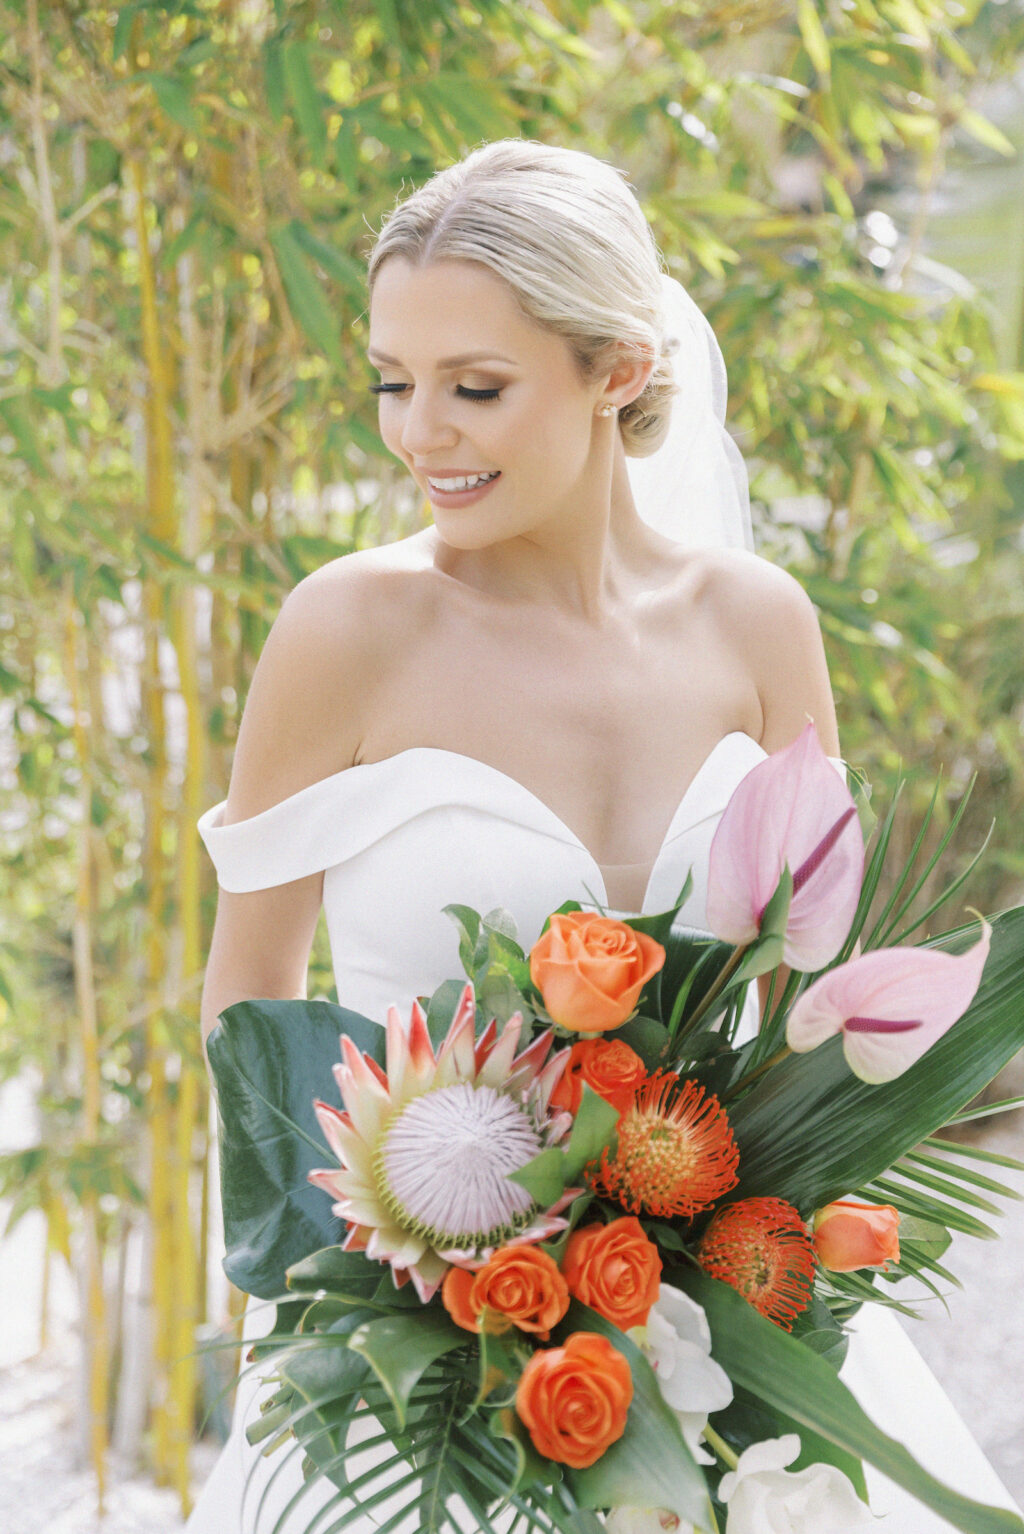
pixel 270 1060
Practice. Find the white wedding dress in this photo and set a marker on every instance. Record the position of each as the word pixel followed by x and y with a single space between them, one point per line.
pixel 400 839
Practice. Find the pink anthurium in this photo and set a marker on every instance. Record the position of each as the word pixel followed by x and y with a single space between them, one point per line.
pixel 890 1005
pixel 791 810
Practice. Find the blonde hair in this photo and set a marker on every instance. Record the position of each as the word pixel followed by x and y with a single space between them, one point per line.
pixel 567 234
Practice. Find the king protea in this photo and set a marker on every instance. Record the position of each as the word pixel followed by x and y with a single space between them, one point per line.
pixel 426 1145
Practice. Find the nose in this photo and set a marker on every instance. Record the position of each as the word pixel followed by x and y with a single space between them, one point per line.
pixel 425 427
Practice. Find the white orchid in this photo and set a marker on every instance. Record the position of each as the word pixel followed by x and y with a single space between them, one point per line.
pixel 677 1344
pixel 763 1497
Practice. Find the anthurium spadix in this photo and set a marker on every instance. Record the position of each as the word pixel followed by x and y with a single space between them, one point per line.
pixel 792 811
pixel 890 1005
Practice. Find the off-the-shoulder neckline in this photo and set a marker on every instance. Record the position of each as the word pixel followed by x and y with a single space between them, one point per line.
pixel 362 772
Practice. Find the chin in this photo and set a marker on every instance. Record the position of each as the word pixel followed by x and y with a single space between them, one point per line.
pixel 469 534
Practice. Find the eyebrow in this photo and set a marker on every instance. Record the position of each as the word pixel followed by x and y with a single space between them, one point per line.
pixel 447 362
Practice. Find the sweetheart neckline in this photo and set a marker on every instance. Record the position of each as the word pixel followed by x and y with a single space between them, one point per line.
pixel 567 832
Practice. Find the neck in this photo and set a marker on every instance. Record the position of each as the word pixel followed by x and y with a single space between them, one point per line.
pixel 577 561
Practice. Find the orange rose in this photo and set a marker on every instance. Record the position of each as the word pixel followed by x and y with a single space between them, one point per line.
pixel 591 969
pixel 848 1235
pixel 575 1399
pixel 615 1270
pixel 519 1286
pixel 608 1065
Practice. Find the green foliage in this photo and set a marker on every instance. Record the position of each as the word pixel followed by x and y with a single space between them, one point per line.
pixel 271 1060
pixel 778 1370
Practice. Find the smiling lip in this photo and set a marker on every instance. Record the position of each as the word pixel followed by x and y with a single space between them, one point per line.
pixel 455 498
pixel 453 473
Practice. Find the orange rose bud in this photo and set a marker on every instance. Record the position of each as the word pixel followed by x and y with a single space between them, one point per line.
pixel 519 1286
pixel 608 1065
pixel 574 1400
pixel 848 1235
pixel 591 969
pixel 615 1270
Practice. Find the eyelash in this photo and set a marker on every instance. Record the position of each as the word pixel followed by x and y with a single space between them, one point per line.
pixel 476 394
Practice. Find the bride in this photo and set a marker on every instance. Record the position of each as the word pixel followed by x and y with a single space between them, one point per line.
pixel 551 692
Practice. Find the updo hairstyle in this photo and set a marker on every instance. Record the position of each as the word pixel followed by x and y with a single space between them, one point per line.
pixel 566 233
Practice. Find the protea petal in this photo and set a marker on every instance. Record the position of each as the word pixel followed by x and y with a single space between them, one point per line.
pixel 456 1058
pixel 485 1043
pixel 912 996
pixel 496 1067
pixel 551 1075
pixel 426 1147
pixel 426 1274
pixel 331 1120
pixel 786 810
pixel 527 1066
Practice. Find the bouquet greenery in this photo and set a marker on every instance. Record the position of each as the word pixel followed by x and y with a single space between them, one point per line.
pixel 623 1242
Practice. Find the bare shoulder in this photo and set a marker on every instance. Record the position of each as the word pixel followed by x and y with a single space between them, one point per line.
pixel 770 623
pixel 336 635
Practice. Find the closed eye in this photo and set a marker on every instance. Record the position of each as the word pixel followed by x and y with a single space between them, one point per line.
pixel 478 394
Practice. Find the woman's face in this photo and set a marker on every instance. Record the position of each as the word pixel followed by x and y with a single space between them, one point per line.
pixel 471 386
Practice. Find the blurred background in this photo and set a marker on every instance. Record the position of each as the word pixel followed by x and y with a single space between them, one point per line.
pixel 187 194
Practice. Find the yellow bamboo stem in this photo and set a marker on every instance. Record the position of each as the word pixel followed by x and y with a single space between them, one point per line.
pixel 160 510
pixel 96 1343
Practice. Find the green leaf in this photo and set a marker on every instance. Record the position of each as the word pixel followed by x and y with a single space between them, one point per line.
pixel 400 1348
pixel 544 1178
pixel 814 36
pixel 305 99
pixel 305 296
pixel 765 954
pixel 336 1272
pixel 648 1038
pixel 441 1009
pixel 986 132
pixel 781 1371
pixel 812 1130
pixel 336 263
pixel 592 1128
pixel 270 1060
pixel 175 100
pixel 469 924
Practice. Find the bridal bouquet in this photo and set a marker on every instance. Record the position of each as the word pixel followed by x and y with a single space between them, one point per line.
pixel 598 1250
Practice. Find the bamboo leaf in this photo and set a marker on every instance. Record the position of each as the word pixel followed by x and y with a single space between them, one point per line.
pixel 305 98
pixel 305 296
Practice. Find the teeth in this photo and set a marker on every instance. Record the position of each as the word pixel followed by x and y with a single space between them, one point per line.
pixel 462 482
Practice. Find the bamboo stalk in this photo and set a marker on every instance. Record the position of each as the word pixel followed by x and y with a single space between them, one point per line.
pixel 95 1338
pixel 160 516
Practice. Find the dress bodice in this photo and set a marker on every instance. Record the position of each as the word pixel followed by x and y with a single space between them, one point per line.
pixel 401 838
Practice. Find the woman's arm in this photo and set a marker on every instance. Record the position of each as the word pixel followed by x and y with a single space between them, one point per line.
pixel 302 722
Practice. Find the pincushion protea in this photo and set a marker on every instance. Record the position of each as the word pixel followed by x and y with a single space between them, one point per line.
pixel 761 1247
pixel 674 1152
pixel 427 1144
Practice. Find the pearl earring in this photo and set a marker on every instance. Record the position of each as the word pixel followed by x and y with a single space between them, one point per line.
pixel 606 410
